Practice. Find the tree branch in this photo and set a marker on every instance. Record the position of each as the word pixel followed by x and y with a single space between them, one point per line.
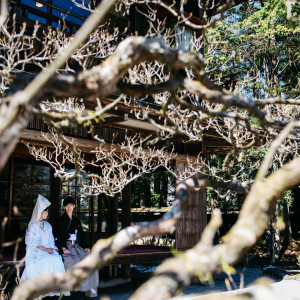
pixel 15 115
pixel 4 12
pixel 274 147
pixel 204 260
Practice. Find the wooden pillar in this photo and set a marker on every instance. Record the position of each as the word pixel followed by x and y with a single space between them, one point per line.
pixel 55 197
pixel 193 220
pixel 126 221
pixel 92 220
pixel 11 178
pixel 112 216
pixel 126 206
pixel 49 12
pixel 100 217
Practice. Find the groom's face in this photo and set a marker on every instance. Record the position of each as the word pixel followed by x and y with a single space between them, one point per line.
pixel 69 208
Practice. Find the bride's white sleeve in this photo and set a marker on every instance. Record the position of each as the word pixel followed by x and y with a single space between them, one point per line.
pixel 51 237
pixel 32 240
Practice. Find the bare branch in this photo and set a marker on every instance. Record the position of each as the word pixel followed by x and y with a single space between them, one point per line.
pixel 273 147
pixel 204 260
pixel 119 164
pixel 4 12
pixel 17 113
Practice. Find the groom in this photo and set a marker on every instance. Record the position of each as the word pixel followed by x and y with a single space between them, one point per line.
pixel 71 242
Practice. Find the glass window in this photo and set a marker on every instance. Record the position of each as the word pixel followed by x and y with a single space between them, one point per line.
pixel 67 17
pixel 110 214
pixel 42 190
pixel 29 180
pixel 70 6
pixel 84 218
pixel 153 190
pixel 69 12
pixel 36 18
pixel 64 10
pixel 4 174
pixel 24 217
pixel 3 194
pixel 184 38
pixel 83 202
pixel 34 4
pixel 22 172
pixel 102 223
pixel 41 174
pixel 22 195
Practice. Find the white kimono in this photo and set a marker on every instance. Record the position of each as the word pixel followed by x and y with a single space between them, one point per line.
pixel 39 233
pixel 38 261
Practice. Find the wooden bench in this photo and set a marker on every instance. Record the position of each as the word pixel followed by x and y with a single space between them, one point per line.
pixel 135 255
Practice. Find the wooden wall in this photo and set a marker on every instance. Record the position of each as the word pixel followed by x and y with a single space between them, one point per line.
pixel 193 220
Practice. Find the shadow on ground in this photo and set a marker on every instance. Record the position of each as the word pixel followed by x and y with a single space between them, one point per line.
pixel 140 273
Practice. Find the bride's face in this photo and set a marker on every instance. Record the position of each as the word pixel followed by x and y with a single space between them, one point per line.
pixel 44 215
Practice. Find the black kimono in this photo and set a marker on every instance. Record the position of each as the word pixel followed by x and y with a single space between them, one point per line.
pixel 63 228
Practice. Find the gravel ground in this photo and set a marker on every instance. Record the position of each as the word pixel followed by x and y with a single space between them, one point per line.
pixel 286 289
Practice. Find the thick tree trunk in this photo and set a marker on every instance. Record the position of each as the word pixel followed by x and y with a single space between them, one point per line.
pixel 287 229
pixel 273 239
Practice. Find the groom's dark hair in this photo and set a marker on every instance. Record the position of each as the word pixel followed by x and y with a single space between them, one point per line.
pixel 68 200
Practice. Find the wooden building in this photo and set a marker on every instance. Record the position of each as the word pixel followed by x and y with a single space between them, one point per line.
pixel 24 178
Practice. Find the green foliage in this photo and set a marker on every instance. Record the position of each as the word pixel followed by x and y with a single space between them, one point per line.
pixel 153 190
pixel 250 164
pixel 155 199
pixel 255 50
pixel 286 198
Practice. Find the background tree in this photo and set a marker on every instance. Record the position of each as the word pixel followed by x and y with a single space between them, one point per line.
pixel 256 56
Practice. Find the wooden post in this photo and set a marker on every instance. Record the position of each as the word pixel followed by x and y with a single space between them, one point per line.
pixel 11 162
pixel 100 207
pixel 114 214
pixel 92 220
pixel 126 206
pixel 56 204
pixel 49 12
pixel 193 220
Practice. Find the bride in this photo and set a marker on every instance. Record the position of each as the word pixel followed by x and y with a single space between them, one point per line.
pixel 41 253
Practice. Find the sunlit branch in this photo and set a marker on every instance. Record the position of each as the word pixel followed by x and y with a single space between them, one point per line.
pixel 205 259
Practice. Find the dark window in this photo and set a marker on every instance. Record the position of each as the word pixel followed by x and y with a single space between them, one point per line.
pixel 69 6
pixel 4 189
pixel 110 212
pixel 35 5
pixel 29 180
pixel 83 202
pixel 50 12
pixel 4 174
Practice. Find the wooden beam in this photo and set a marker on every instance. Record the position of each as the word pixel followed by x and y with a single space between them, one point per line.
pixel 113 119
pixel 134 258
pixel 37 138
